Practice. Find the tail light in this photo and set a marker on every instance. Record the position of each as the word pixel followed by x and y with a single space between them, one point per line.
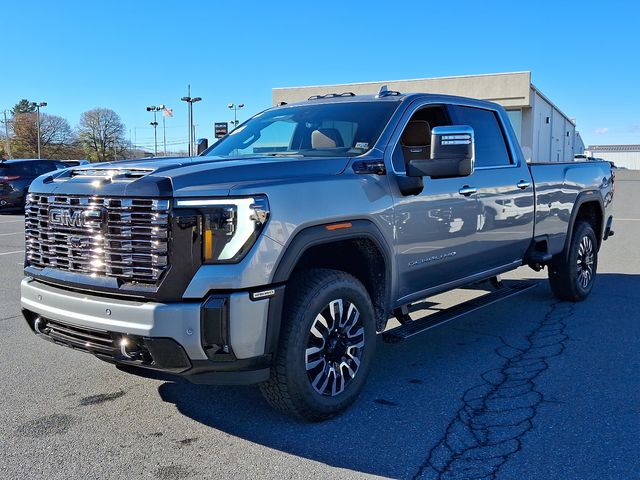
pixel 9 178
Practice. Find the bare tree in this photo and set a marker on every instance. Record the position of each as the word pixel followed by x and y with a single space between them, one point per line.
pixel 102 134
pixel 56 136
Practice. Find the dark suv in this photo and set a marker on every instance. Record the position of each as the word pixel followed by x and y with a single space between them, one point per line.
pixel 17 175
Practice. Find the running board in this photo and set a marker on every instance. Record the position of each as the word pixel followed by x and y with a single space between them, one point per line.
pixel 420 325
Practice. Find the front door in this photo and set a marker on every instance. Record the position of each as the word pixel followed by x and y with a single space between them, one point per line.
pixel 435 230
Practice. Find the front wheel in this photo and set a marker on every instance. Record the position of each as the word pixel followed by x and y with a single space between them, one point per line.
pixel 327 342
pixel 573 272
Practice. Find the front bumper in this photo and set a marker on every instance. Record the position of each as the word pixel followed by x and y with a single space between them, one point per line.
pixel 176 337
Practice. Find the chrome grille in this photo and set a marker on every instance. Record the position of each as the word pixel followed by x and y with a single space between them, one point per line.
pixel 113 237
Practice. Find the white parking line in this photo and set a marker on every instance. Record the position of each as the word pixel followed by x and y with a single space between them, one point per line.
pixel 9 253
pixel 12 233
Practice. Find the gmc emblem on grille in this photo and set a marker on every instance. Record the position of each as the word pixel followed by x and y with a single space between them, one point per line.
pixel 66 217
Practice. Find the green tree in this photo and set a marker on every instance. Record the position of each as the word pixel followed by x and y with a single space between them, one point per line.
pixel 23 106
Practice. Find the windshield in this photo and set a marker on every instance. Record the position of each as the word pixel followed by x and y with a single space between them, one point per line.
pixel 330 129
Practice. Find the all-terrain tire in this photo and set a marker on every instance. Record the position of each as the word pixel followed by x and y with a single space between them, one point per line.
pixel 293 388
pixel 572 272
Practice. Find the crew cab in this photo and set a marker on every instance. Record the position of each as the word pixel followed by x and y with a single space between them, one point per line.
pixel 279 254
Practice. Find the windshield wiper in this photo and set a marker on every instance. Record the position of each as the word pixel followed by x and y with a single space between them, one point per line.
pixel 282 154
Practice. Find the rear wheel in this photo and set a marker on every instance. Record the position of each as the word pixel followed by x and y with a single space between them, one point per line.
pixel 572 273
pixel 326 346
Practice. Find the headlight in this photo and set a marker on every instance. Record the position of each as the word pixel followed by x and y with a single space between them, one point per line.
pixel 230 226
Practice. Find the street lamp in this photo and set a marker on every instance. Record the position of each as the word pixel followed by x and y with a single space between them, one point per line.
pixel 190 100
pixel 154 124
pixel 37 107
pixel 235 109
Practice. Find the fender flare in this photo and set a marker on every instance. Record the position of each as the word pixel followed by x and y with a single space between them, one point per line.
pixel 304 240
pixel 590 196
pixel 318 234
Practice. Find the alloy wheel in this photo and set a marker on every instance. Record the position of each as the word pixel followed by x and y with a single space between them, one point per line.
pixel 334 347
pixel 585 262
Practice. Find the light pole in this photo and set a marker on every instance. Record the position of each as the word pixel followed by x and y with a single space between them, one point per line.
pixel 154 124
pixel 37 107
pixel 164 136
pixel 235 109
pixel 6 134
pixel 190 100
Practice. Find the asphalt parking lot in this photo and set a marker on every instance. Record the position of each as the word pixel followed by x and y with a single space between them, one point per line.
pixel 568 377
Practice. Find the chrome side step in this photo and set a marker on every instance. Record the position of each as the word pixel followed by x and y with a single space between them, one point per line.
pixel 409 329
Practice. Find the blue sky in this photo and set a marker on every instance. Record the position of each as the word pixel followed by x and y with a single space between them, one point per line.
pixel 126 55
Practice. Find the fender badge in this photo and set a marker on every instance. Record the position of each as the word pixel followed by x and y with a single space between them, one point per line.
pixel 263 294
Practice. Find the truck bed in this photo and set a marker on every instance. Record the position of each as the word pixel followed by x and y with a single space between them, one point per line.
pixel 556 200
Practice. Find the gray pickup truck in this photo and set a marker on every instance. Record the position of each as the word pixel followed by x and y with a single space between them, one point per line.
pixel 278 254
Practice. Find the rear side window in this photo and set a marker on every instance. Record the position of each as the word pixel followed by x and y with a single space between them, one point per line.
pixel 13 169
pixel 490 145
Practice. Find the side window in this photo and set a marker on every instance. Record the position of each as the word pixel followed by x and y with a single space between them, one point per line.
pixel 43 167
pixel 491 148
pixel 415 141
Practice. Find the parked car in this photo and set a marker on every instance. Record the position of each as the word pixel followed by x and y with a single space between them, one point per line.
pixel 76 163
pixel 17 175
pixel 279 254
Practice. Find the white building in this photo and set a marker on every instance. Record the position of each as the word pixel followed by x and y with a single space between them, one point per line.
pixel 544 131
pixel 625 156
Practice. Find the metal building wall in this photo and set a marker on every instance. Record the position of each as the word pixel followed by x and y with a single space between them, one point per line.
pixel 630 160
pixel 553 133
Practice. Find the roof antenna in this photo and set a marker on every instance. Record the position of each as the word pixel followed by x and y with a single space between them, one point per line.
pixel 385 92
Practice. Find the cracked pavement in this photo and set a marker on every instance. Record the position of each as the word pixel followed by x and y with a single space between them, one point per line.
pixel 527 388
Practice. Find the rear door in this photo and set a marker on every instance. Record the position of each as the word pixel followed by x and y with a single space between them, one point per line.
pixel 504 190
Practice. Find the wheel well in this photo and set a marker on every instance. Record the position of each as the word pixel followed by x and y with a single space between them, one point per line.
pixel 359 257
pixel 591 213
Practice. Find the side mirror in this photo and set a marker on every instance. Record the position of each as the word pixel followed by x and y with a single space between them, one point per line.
pixel 452 154
pixel 201 145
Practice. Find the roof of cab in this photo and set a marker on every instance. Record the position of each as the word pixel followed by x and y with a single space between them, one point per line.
pixel 400 97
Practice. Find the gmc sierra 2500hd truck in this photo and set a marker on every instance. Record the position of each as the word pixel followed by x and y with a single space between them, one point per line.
pixel 278 254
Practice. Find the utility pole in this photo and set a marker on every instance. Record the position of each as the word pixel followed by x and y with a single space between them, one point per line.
pixel 6 133
pixel 37 106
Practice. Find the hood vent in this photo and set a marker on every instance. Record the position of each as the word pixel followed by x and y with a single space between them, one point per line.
pixel 111 173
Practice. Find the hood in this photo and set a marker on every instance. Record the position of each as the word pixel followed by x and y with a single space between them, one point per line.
pixel 211 176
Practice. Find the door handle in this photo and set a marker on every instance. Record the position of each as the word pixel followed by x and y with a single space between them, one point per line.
pixel 522 184
pixel 467 190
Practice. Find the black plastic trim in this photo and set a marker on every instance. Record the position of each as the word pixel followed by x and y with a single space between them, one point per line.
pixel 318 235
pixel 589 196
pixel 311 237
pixel 214 328
pixel 274 319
